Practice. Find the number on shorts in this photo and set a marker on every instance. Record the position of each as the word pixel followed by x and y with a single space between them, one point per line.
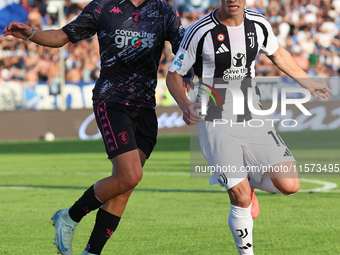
pixel 277 138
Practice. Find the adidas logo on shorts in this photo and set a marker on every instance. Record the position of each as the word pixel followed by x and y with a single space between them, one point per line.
pixel 287 153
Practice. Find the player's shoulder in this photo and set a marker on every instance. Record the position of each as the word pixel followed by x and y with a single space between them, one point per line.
pixel 163 5
pixel 198 29
pixel 255 16
pixel 201 26
pixel 96 5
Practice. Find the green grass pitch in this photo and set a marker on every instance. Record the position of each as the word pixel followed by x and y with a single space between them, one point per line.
pixel 169 213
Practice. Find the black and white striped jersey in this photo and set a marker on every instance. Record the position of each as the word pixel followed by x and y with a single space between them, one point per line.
pixel 224 58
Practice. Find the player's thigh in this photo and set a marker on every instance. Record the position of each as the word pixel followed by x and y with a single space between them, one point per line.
pixel 116 127
pixel 128 165
pixel 223 154
pixel 142 157
pixel 146 132
pixel 269 153
pixel 266 148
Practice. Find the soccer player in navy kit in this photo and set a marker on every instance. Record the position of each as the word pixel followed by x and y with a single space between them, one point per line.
pixel 131 36
pixel 222 47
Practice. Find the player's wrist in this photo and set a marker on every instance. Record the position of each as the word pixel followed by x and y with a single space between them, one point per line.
pixel 31 36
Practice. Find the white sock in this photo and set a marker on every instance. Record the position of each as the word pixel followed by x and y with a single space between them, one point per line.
pixel 265 185
pixel 241 226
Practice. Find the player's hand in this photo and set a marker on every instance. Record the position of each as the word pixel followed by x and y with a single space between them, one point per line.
pixel 17 29
pixel 190 116
pixel 318 89
pixel 188 84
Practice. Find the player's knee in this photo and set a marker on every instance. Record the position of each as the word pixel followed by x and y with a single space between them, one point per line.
pixel 240 194
pixel 241 199
pixel 132 179
pixel 136 178
pixel 291 187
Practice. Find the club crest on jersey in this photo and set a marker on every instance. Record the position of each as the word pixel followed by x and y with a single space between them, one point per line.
pixel 220 37
pixel 123 137
pixel 251 37
pixel 136 17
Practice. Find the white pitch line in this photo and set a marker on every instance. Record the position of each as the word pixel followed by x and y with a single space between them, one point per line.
pixel 161 190
pixel 88 173
pixel 327 186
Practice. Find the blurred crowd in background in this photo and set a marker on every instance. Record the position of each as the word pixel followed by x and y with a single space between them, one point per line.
pixel 309 30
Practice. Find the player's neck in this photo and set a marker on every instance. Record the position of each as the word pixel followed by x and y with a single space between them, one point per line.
pixel 227 19
pixel 137 2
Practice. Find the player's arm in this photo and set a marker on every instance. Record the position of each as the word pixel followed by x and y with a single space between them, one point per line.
pixel 286 63
pixel 50 38
pixel 174 82
pixel 175 34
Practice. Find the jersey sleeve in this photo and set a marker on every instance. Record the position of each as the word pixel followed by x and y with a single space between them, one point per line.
pixel 86 23
pixel 174 29
pixel 186 55
pixel 271 41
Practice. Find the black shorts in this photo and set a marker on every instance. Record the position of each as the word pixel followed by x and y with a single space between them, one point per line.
pixel 125 128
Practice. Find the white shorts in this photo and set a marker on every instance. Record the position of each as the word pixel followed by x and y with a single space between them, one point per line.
pixel 236 153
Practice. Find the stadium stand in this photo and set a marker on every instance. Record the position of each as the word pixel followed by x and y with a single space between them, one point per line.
pixel 310 30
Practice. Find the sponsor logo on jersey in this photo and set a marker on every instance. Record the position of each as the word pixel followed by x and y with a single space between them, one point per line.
pixel 154 14
pixel 136 42
pixel 222 49
pixel 136 17
pixel 220 37
pixel 239 59
pixel 134 38
pixel 116 10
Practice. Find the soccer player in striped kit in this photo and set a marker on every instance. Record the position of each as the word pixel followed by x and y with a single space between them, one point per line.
pixel 222 47
pixel 131 35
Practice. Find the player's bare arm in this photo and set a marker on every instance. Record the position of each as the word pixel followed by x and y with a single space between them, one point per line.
pixel 49 38
pixel 286 63
pixel 174 82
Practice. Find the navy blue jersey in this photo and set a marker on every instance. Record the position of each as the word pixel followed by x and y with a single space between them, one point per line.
pixel 131 41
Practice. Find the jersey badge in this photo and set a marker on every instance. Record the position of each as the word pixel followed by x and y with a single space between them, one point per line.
pixel 123 137
pixel 220 37
pixel 251 37
pixel 179 60
pixel 136 17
